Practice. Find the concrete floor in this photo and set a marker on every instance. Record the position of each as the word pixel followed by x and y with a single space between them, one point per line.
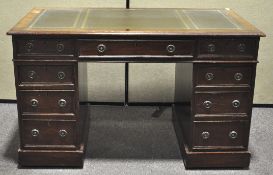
pixel 129 141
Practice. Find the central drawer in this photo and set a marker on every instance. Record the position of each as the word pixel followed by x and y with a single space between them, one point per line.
pixel 48 134
pixel 47 101
pixel 131 47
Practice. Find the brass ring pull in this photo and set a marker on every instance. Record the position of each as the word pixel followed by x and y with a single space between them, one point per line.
pixel 61 75
pixel 209 76
pixel 233 135
pixel 205 135
pixel 60 47
pixel 29 46
pixel 207 104
pixel 238 76
pixel 34 102
pixel 236 103
pixel 62 133
pixel 241 47
pixel 31 74
pixel 170 48
pixel 62 103
pixel 101 48
pixel 211 48
pixel 35 132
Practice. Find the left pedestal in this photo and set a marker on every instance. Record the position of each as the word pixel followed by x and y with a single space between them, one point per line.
pixel 53 126
pixel 61 157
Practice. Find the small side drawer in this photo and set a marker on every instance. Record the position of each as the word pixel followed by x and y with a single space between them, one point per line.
pixel 129 47
pixel 222 102
pixel 219 74
pixel 227 48
pixel 47 101
pixel 220 135
pixel 45 74
pixel 44 47
pixel 48 134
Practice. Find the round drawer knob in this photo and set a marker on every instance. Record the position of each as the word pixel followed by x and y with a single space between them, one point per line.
pixel 209 76
pixel 60 47
pixel 205 135
pixel 238 76
pixel 233 134
pixel 29 46
pixel 34 102
pixel 35 132
pixel 31 74
pixel 101 48
pixel 211 48
pixel 61 75
pixel 62 103
pixel 236 103
pixel 170 48
pixel 241 47
pixel 62 133
pixel 207 104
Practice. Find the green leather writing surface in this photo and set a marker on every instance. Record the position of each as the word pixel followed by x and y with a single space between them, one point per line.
pixel 54 18
pixel 210 19
pixel 133 19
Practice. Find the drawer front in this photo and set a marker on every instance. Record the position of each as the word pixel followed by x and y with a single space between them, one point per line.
pixel 220 135
pixel 165 48
pixel 48 134
pixel 45 47
pixel 215 74
pixel 222 102
pixel 243 48
pixel 45 74
pixel 47 101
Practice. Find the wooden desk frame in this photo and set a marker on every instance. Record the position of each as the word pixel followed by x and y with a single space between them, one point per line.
pixel 212 132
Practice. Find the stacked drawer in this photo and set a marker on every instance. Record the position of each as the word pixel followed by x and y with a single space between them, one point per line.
pixel 46 93
pixel 223 92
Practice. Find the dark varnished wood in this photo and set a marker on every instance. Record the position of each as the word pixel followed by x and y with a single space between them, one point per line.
pixel 136 47
pixel 220 52
pixel 228 48
pixel 221 102
pixel 41 74
pixel 48 101
pixel 49 136
pixel 219 138
pixel 46 74
pixel 220 91
pixel 221 118
pixel 59 156
pixel 223 75
pixel 33 46
pixel 205 159
pixel 49 158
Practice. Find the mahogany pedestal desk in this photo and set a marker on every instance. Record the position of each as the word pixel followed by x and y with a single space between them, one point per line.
pixel 215 52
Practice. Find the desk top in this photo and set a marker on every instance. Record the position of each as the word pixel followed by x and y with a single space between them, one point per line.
pixel 90 21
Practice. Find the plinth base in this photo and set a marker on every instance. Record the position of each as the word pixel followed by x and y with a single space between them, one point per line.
pixel 51 158
pixel 217 159
pixel 59 158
